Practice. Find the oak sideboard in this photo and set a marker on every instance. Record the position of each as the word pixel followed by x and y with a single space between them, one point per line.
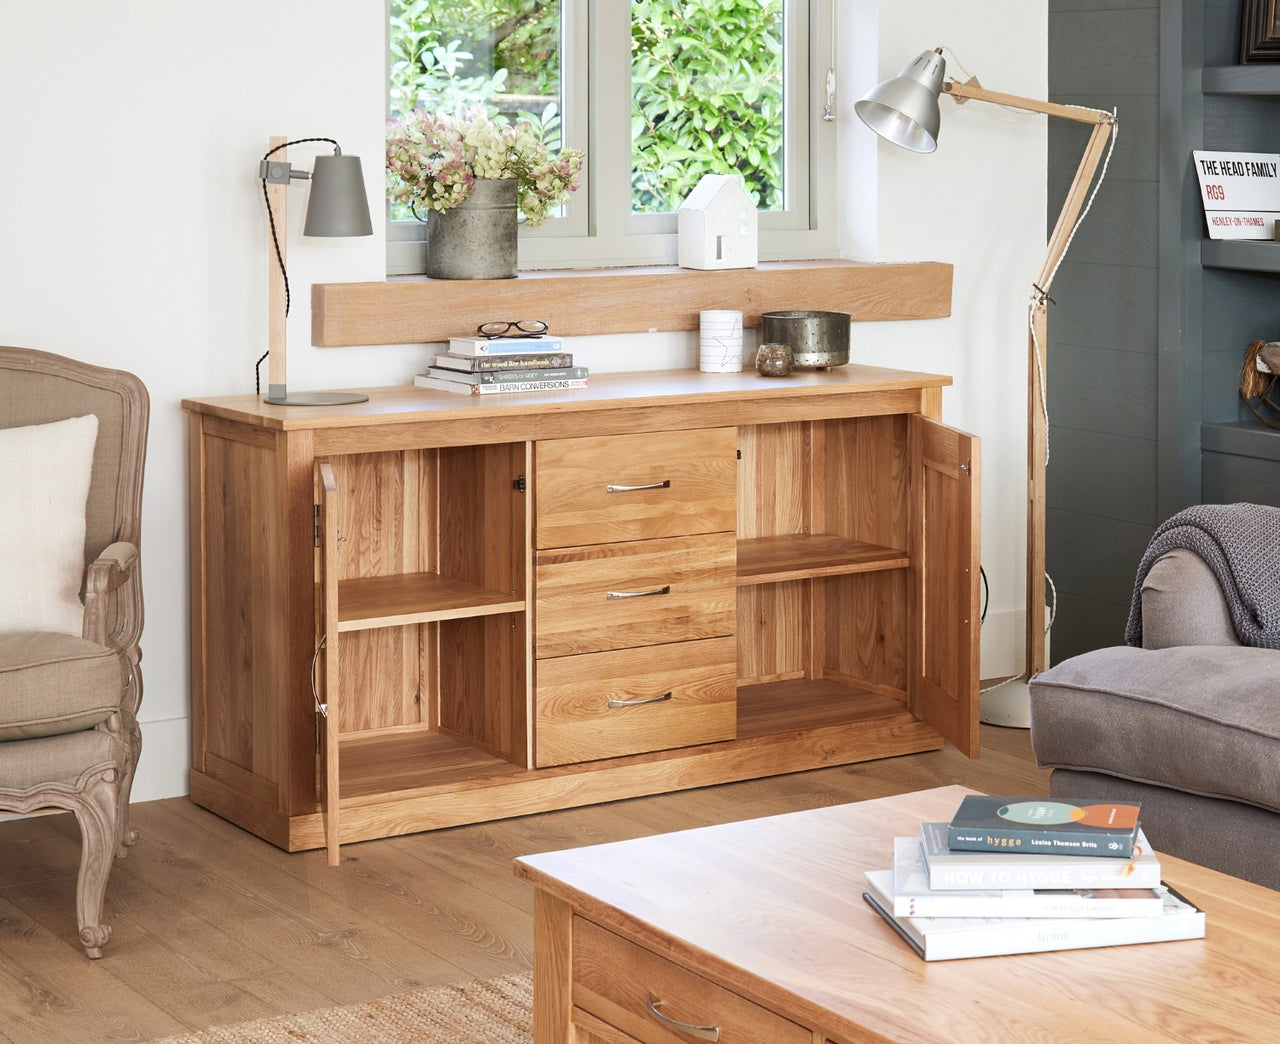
pixel 429 609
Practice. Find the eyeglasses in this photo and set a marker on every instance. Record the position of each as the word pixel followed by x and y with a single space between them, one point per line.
pixel 520 328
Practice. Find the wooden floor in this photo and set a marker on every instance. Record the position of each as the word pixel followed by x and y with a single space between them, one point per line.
pixel 212 925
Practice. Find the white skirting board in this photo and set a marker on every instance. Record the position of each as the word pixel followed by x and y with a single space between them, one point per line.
pixel 1008 703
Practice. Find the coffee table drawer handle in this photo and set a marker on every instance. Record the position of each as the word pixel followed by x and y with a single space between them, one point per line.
pixel 640 702
pixel 698 1032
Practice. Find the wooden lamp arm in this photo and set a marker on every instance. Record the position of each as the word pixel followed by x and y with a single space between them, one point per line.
pixel 1104 125
pixel 973 91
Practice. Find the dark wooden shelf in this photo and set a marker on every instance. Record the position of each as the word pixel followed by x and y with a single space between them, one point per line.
pixel 1240 79
pixel 1242 438
pixel 1248 255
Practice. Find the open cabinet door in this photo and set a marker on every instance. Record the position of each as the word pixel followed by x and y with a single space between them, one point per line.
pixel 944 581
pixel 327 693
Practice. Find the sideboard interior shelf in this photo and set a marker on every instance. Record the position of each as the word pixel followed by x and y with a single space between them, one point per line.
pixel 771 560
pixel 396 601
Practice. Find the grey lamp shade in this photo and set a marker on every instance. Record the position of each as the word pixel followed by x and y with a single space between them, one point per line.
pixel 338 205
pixel 904 110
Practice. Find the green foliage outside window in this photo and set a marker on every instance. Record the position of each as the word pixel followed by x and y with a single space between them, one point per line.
pixel 706 98
pixel 706 82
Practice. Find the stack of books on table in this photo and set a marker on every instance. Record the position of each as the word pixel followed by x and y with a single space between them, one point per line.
pixel 1025 875
pixel 480 366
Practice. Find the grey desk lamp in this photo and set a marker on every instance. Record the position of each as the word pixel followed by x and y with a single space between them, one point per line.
pixel 337 206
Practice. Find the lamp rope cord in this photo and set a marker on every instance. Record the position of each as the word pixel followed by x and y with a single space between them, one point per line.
pixel 275 242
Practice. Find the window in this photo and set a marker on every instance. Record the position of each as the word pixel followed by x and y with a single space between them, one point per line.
pixel 707 86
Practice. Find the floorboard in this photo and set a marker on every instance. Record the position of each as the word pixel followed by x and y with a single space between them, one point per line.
pixel 212 925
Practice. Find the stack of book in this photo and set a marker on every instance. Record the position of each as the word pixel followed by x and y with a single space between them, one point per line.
pixel 1025 875
pixel 480 366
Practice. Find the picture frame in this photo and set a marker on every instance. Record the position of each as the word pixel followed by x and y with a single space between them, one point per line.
pixel 1260 31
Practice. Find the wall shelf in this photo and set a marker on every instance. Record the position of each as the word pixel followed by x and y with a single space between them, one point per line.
pixel 1240 79
pixel 414 310
pixel 1249 255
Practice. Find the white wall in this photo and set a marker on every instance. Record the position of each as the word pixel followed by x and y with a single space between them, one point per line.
pixel 978 202
pixel 134 237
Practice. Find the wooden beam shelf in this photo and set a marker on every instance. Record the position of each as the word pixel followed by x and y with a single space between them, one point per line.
pixel 413 310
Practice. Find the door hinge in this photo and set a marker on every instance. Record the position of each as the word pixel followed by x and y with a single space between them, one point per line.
pixel 518 484
pixel 315 525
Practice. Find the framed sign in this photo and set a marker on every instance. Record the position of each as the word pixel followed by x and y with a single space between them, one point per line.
pixel 1240 192
pixel 1260 31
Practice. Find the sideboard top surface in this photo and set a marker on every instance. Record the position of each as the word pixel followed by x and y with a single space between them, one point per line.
pixel 407 404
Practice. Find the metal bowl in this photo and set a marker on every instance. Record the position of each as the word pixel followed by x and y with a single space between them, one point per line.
pixel 819 340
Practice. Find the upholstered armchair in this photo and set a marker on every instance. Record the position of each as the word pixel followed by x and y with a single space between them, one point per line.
pixel 1185 717
pixel 72 447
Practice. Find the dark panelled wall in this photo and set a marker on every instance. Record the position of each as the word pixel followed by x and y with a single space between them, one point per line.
pixel 1101 498
pixel 1145 342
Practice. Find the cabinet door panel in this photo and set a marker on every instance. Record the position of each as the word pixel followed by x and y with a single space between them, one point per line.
pixel 944 557
pixel 635 487
pixel 618 596
pixel 604 705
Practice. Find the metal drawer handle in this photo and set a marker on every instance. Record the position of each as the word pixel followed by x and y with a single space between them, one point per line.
pixel 640 703
pixel 666 589
pixel 611 488
pixel 699 1032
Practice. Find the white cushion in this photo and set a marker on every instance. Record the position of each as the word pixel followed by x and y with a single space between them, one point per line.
pixel 44 484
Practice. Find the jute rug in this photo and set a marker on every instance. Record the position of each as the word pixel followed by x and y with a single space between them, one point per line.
pixel 486 1011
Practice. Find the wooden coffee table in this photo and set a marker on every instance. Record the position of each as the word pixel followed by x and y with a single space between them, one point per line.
pixel 758 930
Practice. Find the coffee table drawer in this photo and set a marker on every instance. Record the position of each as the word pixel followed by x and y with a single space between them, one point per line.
pixel 636 487
pixel 622 984
pixel 609 704
pixel 644 592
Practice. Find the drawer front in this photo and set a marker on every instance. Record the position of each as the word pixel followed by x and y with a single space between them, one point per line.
pixel 615 980
pixel 619 596
pixel 605 705
pixel 635 487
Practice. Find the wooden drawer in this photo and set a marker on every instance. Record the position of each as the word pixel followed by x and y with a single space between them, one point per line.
pixel 614 979
pixel 675 695
pixel 619 596
pixel 635 487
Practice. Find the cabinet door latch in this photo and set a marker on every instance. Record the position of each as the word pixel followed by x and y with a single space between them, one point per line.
pixel 518 484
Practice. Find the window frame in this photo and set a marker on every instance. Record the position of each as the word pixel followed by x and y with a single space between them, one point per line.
pixel 597 228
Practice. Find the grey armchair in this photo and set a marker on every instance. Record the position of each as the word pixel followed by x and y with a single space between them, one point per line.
pixel 69 736
pixel 1186 719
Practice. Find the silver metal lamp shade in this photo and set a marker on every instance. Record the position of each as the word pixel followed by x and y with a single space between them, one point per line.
pixel 904 110
pixel 338 205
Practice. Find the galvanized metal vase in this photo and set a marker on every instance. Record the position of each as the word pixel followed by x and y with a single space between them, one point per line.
pixel 477 238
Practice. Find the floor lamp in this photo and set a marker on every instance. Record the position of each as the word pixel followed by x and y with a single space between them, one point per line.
pixel 336 206
pixel 904 110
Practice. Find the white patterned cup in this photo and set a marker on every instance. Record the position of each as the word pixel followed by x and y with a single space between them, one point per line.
pixel 720 341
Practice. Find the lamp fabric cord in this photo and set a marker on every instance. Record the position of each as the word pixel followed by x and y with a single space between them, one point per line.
pixel 275 242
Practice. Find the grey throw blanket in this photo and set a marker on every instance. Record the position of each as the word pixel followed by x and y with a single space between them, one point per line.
pixel 1241 545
